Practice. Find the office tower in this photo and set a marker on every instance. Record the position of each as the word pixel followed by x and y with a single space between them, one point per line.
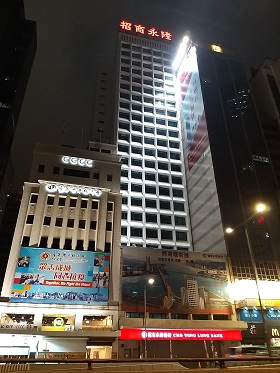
pixel 227 163
pixel 17 50
pixel 63 270
pixel 154 207
pixel 265 88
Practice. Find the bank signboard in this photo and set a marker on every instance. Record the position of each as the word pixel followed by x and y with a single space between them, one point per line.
pixel 61 277
pixel 184 282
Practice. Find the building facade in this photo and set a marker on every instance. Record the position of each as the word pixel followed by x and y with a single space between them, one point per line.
pixel 61 286
pixel 154 205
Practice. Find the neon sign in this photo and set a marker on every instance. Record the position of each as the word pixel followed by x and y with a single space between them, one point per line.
pixel 139 29
pixel 77 161
pixel 72 189
pixel 180 334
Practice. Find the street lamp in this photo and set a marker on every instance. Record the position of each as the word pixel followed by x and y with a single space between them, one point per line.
pixel 150 282
pixel 259 208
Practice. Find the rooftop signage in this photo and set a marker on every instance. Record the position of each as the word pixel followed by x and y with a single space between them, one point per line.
pixel 73 189
pixel 180 334
pixel 75 161
pixel 140 29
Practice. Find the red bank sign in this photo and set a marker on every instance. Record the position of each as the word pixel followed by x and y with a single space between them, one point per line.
pixel 180 334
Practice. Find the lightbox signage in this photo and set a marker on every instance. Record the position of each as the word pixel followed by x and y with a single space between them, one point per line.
pixel 184 282
pixel 180 334
pixel 143 30
pixel 75 161
pixel 73 189
pixel 61 277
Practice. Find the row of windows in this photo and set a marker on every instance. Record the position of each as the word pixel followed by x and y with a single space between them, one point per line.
pixel 147 57
pixel 69 244
pixel 152 153
pixel 149 189
pixel 147 109
pixel 159 142
pixel 149 91
pixel 75 172
pixel 150 164
pixel 147 140
pixel 149 51
pixel 153 233
pixel 147 99
pixel 153 218
pixel 143 80
pixel 148 74
pixel 147 128
pixel 73 203
pixel 151 203
pixel 176 316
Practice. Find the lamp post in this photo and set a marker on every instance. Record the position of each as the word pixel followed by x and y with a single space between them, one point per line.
pixel 150 282
pixel 259 208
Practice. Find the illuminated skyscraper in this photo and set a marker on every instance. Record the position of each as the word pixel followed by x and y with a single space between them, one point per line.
pixel 154 206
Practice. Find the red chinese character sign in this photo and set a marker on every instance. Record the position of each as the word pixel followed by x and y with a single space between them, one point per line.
pixel 180 334
pixel 143 30
pixel 61 277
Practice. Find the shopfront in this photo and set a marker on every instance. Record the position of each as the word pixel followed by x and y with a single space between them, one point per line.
pixel 172 343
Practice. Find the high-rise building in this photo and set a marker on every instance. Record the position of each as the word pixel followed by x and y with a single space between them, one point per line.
pixel 154 205
pixel 265 86
pixel 17 50
pixel 227 164
pixel 63 272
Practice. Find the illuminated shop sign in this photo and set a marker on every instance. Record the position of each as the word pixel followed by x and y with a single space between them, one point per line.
pixel 180 334
pixel 216 48
pixel 72 189
pixel 140 29
pixel 83 162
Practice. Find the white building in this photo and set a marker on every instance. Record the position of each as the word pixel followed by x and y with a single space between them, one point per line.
pixel 71 205
pixel 154 205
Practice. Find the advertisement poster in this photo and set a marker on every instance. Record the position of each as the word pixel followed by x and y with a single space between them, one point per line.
pixel 61 277
pixel 192 109
pixel 184 282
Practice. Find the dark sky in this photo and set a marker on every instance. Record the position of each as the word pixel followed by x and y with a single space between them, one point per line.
pixel 76 36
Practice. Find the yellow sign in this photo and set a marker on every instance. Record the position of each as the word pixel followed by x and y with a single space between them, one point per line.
pixel 255 303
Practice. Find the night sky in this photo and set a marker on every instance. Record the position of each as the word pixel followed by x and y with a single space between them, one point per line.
pixel 76 36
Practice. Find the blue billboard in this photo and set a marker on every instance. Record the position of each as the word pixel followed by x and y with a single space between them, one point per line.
pixel 61 277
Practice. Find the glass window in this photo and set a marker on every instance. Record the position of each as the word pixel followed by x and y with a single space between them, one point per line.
pixel 151 233
pixel 161 142
pixel 136 107
pixel 124 126
pixel 162 166
pixel 149 140
pixel 124 186
pixel 136 117
pixel 136 175
pixel 149 176
pixel 161 154
pixel 181 236
pixel 165 205
pixel 136 89
pixel 176 180
pixel 148 100
pixel 136 139
pixel 175 167
pixel 151 218
pixel 136 216
pixel 160 121
pixel 173 133
pixel 180 220
pixel 125 77
pixel 150 189
pixel 175 155
pixel 177 193
pixel 179 206
pixel 136 188
pixel 124 86
pixel 150 203
pixel 166 235
pixel 150 164
pixel 136 232
pixel 164 191
pixel 165 219
pixel 125 69
pixel 136 162
pixel 150 152
pixel 137 98
pixel 148 82
pixel 124 115
pixel 136 201
pixel 161 132
pixel 149 129
pixel 136 150
pixel 136 63
pixel 136 71
pixel 136 127
pixel 124 173
pixel 172 123
pixel 174 145
pixel 123 231
pixel 148 109
pixel 123 136
pixel 163 178
pixel 123 148
pixel 158 85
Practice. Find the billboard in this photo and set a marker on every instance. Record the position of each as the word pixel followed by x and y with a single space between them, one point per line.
pixel 192 109
pixel 184 282
pixel 61 277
